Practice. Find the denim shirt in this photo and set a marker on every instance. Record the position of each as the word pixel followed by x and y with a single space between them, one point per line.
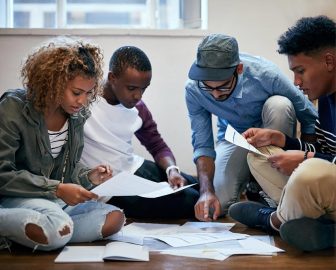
pixel 260 80
pixel 27 168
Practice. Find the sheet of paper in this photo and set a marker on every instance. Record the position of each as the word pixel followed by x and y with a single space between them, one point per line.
pixel 164 191
pixel 112 251
pixel 256 246
pixel 210 227
pixel 236 138
pixel 126 184
pixel 145 229
pixel 155 245
pixel 127 238
pixel 125 252
pixel 209 250
pixel 71 254
pixel 136 231
pixel 204 254
pixel 247 246
pixel 190 239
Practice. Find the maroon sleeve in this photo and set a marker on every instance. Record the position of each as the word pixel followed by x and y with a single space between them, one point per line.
pixel 149 136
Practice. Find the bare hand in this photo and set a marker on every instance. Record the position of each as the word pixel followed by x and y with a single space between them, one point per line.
pixel 73 194
pixel 207 207
pixel 287 161
pixel 100 174
pixel 176 180
pixel 259 137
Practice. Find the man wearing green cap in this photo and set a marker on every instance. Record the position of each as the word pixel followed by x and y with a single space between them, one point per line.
pixel 244 91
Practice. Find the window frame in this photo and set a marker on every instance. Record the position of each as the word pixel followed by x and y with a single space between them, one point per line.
pixel 61 16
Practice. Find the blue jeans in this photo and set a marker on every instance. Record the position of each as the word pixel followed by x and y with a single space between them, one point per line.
pixel 232 172
pixel 82 222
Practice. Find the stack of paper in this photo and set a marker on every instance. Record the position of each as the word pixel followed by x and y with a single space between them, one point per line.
pixel 211 240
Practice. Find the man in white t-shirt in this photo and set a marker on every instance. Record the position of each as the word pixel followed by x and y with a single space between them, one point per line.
pixel 116 117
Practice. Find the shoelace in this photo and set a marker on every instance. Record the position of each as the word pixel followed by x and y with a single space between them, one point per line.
pixel 264 215
pixel 266 210
pixel 268 200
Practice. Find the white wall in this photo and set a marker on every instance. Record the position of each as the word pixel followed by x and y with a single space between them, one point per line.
pixel 256 24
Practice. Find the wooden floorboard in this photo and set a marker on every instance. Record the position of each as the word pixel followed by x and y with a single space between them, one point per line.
pixel 23 258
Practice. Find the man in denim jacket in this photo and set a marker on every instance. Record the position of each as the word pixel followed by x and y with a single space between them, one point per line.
pixel 244 91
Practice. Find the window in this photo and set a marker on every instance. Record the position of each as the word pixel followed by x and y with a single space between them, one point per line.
pixel 141 14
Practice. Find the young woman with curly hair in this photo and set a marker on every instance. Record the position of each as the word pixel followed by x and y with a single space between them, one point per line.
pixel 44 191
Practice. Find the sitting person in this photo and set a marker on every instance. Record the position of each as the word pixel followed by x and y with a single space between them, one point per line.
pixel 300 176
pixel 242 90
pixel 116 117
pixel 41 140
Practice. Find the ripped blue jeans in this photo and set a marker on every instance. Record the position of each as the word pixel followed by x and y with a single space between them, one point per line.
pixel 80 223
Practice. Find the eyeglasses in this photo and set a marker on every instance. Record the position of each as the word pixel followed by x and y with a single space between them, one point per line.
pixel 223 88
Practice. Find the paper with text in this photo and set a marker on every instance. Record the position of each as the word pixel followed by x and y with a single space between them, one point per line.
pixel 136 231
pixel 233 136
pixel 224 249
pixel 190 239
pixel 210 227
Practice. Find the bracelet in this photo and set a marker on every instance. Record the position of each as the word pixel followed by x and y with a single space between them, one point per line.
pixel 172 167
pixel 305 156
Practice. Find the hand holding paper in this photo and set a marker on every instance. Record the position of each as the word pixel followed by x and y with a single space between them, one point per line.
pixel 232 136
pixel 126 184
pixel 259 137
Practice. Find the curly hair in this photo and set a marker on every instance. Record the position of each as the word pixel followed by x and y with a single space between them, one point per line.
pixel 47 71
pixel 309 35
pixel 129 56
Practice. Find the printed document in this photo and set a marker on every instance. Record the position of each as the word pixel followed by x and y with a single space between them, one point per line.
pixel 191 239
pixel 233 136
pixel 224 249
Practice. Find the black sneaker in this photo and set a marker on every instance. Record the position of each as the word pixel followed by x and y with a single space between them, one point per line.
pixel 252 190
pixel 255 193
pixel 253 214
pixel 309 234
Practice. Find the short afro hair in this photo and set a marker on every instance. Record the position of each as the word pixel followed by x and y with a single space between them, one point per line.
pixel 129 56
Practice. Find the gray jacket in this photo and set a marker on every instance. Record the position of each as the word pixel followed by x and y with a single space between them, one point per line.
pixel 27 168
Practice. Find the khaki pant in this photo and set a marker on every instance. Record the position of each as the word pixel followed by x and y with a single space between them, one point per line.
pixel 309 192
pixel 232 171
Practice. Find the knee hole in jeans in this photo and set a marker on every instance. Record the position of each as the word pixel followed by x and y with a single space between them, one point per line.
pixel 65 231
pixel 113 223
pixel 36 233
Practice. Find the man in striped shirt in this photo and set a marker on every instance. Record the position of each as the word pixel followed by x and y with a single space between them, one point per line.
pixel 300 176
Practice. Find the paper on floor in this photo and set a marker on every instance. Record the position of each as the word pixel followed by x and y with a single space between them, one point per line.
pixel 112 251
